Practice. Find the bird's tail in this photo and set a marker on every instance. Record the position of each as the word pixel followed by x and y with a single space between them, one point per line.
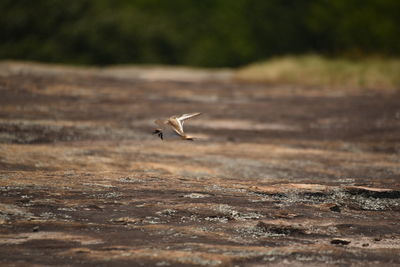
pixel 186 137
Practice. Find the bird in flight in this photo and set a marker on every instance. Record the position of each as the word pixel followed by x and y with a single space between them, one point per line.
pixel 174 123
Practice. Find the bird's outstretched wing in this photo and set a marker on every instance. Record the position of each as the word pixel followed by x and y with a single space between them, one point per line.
pixel 187 116
pixel 176 126
pixel 176 122
pixel 161 123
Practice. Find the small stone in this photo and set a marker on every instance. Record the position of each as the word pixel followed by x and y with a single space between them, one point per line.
pixel 80 251
pixel 365 245
pixel 231 139
pixel 340 242
pixel 125 220
pixel 166 212
pixel 335 208
pixel 163 263
pixel 35 229
pixel 196 195
pixel 377 239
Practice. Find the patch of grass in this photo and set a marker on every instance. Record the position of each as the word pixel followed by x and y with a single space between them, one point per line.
pixel 313 70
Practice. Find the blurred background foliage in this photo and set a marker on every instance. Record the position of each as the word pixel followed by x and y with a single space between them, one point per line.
pixel 210 33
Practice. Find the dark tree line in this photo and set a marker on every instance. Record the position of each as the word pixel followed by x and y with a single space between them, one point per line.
pixel 195 32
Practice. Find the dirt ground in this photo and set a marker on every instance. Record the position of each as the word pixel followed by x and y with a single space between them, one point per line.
pixel 278 175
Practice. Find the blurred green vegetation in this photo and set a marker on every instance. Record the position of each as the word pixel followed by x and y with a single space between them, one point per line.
pixel 211 33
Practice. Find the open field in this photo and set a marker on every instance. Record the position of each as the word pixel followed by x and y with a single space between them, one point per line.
pixel 337 74
pixel 279 175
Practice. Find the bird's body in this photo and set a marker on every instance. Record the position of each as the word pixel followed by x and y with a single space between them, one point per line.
pixel 173 127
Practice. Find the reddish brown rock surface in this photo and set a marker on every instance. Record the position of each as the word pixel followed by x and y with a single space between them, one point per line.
pixel 279 175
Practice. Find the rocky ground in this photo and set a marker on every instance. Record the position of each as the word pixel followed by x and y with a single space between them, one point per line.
pixel 278 175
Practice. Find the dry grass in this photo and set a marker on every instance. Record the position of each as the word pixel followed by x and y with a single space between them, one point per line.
pixel 313 70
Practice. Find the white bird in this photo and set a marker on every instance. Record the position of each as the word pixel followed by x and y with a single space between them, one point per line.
pixel 176 124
